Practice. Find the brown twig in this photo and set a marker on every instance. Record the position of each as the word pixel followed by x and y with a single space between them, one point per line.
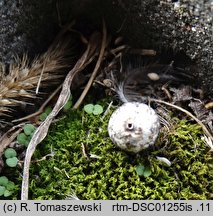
pixel 205 130
pixel 166 91
pixel 97 66
pixel 6 139
pixel 41 107
pixel 118 49
pixel 143 52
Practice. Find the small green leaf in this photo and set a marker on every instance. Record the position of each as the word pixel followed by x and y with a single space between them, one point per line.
pixel 143 170
pixel 140 169
pixel 93 109
pixel 29 129
pixel 98 109
pixel 12 162
pixel 7 193
pixel 10 152
pixel 2 190
pixel 68 105
pixel 89 108
pixel 22 138
pixel 48 110
pixel 28 140
pixel 10 185
pixel 3 180
pixel 147 171
pixel 43 116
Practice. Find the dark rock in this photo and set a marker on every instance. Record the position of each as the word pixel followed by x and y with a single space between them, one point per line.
pixel 26 27
pixel 180 25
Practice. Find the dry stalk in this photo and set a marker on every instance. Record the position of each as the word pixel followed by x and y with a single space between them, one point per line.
pixel 41 107
pixel 95 71
pixel 205 130
pixel 9 136
pixel 42 130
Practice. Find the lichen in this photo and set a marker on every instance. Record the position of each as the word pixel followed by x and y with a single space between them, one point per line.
pixel 112 175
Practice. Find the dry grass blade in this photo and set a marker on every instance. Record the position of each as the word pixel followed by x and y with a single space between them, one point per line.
pixel 205 130
pixel 40 78
pixel 95 71
pixel 8 137
pixel 42 130
pixel 41 107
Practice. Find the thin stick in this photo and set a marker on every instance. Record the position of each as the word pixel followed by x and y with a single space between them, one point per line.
pixel 40 78
pixel 41 108
pixel 188 113
pixel 107 110
pixel 164 88
pixel 5 140
pixel 101 54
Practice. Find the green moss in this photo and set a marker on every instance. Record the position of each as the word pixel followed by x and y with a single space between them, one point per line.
pixel 113 175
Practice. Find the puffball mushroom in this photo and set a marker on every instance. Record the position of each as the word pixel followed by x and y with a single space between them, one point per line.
pixel 134 126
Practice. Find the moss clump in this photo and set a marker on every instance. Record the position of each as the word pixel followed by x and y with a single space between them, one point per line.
pixel 113 175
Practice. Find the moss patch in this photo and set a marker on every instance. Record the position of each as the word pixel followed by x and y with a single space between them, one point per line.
pixel 113 174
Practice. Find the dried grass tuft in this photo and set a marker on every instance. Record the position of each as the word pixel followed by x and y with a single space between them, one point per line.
pixel 24 79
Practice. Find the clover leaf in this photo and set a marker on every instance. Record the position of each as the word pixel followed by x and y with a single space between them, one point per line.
pixel 29 129
pixel 6 186
pixel 143 170
pixel 2 190
pixel 3 180
pixel 67 105
pixel 10 152
pixel 89 108
pixel 23 139
pixel 48 110
pixel 93 109
pixel 7 193
pixel 43 116
pixel 10 185
pixel 98 109
pixel 12 162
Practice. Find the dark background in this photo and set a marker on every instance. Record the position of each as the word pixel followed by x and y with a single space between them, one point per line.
pixel 182 26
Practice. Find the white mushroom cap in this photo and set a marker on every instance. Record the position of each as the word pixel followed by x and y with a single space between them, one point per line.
pixel 134 126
